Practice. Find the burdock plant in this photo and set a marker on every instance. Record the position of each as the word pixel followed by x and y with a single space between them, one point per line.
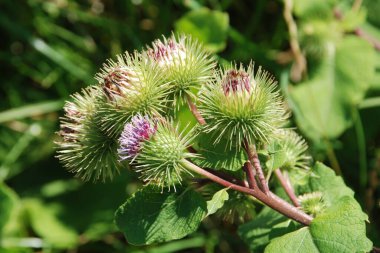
pixel 133 119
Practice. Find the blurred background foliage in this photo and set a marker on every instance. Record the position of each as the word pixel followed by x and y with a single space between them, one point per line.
pixel 52 48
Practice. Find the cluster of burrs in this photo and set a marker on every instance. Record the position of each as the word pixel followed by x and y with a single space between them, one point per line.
pixel 133 117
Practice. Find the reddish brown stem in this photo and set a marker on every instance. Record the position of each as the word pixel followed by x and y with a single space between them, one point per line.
pixel 194 111
pixel 250 171
pixel 269 199
pixel 359 32
pixel 227 177
pixel 362 34
pixel 299 68
pixel 284 181
pixel 254 159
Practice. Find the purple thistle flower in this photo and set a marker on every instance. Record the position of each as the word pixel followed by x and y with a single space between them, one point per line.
pixel 235 81
pixel 134 134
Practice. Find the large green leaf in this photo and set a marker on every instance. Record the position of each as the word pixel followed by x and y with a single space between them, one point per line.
pixel 152 216
pixel 322 105
pixel 209 27
pixel 340 229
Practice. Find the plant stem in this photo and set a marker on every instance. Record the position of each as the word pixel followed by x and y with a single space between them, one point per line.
pixel 356 5
pixel 227 177
pixel 362 34
pixel 250 171
pixel 299 68
pixel 269 199
pixel 358 31
pixel 194 111
pixel 284 181
pixel 360 137
pixel 332 158
pixel 254 159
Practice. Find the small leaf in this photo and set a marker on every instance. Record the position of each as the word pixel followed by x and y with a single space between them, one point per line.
pixel 340 229
pixel 151 216
pixel 277 156
pixel 217 201
pixel 209 27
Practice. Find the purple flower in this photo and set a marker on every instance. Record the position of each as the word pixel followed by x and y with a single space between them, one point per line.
pixel 167 53
pixel 134 134
pixel 236 81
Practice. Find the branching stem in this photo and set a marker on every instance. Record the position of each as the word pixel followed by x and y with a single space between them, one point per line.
pixel 254 159
pixel 269 199
pixel 194 111
pixel 285 183
pixel 250 172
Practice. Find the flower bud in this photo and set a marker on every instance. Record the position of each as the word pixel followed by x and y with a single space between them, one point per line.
pixel 239 104
pixel 168 53
pixel 84 149
pixel 155 149
pixel 132 85
pixel 118 81
pixel 312 203
pixel 294 148
pixel 185 63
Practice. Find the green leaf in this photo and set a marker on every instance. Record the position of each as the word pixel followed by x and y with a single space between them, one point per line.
pixel 325 181
pixel 209 27
pixel 322 105
pixel 152 216
pixel 45 223
pixel 277 156
pixel 7 204
pixel 313 8
pixel 340 229
pixel 297 241
pixel 218 156
pixel 217 201
pixel 262 229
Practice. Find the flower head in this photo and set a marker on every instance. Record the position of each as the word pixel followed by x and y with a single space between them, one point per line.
pixel 236 81
pixel 155 149
pixel 132 86
pixel 239 104
pixel 118 82
pixel 184 62
pixel 168 52
pixel 134 134
pixel 294 148
pixel 84 148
